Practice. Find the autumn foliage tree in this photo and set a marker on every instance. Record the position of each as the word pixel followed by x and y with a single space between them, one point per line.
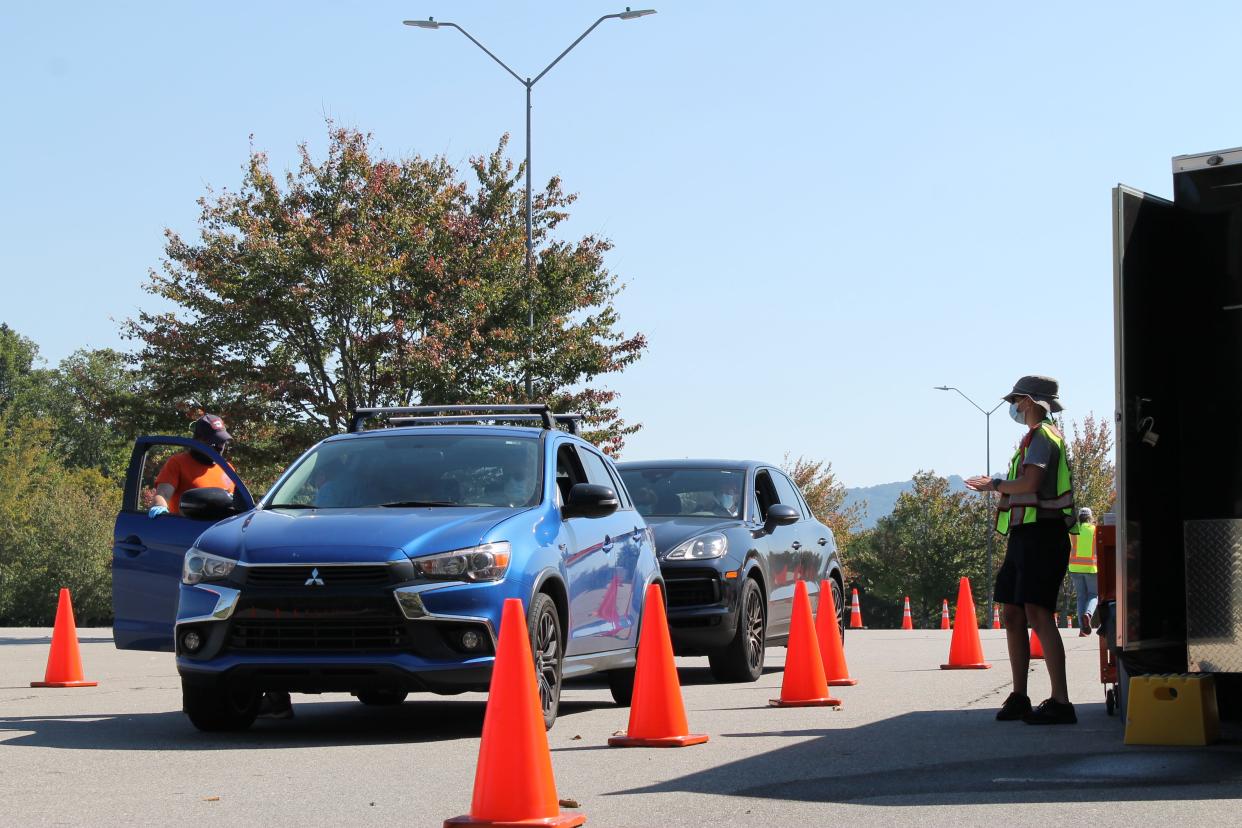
pixel 358 281
pixel 826 497
pixel 1091 465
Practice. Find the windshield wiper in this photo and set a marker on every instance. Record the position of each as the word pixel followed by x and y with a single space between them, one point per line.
pixel 400 503
pixel 292 506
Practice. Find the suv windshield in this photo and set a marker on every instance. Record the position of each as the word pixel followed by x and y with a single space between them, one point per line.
pixel 415 470
pixel 691 492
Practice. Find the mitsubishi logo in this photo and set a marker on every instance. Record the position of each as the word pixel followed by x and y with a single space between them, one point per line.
pixel 314 579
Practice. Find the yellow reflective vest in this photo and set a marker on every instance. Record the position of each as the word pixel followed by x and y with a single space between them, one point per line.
pixel 1083 559
pixel 1015 510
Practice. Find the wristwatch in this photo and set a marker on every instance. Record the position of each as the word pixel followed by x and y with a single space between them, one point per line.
pixel 996 481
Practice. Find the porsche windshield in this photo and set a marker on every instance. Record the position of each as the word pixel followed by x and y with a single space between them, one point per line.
pixel 412 470
pixel 689 492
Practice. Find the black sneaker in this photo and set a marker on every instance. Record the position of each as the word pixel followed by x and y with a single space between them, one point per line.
pixel 1015 707
pixel 275 705
pixel 1051 712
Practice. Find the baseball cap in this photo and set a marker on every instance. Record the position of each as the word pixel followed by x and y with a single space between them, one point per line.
pixel 209 429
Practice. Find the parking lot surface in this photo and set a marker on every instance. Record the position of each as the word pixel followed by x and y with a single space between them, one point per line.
pixel 912 745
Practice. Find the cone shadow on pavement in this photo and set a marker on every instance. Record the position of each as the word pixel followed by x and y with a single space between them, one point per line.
pixel 513 782
pixel 965 649
pixel 803 684
pixel 828 635
pixel 657 713
pixel 64 660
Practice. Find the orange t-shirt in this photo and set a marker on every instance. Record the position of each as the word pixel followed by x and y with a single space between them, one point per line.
pixel 183 472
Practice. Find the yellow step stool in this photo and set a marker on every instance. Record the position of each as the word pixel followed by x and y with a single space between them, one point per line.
pixel 1172 710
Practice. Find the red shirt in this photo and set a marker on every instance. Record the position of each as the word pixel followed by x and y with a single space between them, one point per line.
pixel 183 472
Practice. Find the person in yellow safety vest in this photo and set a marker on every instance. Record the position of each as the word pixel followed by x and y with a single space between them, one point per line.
pixel 1036 509
pixel 1082 570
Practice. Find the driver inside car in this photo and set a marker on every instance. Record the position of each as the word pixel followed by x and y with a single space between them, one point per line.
pixel 191 469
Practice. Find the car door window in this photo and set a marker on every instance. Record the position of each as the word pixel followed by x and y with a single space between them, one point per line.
pixel 787 492
pixel 569 472
pixel 765 494
pixel 597 470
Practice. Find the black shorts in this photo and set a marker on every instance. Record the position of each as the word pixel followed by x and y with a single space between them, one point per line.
pixel 1035 564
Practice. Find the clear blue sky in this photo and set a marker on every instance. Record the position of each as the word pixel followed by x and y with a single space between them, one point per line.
pixel 821 209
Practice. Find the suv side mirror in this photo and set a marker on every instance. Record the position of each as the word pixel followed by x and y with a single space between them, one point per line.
pixel 590 501
pixel 207 503
pixel 780 514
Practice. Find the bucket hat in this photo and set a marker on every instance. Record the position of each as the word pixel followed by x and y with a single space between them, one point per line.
pixel 1042 390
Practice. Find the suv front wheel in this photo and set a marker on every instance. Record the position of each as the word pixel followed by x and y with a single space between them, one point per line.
pixel 547 649
pixel 742 658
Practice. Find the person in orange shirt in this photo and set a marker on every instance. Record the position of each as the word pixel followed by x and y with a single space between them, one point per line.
pixel 192 469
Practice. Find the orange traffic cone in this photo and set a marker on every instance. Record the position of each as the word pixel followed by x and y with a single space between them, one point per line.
pixel 907 623
pixel 855 613
pixel 944 615
pixel 1067 622
pixel 1037 649
pixel 513 782
pixel 828 636
pixel 965 650
pixel 64 661
pixel 996 618
pixel 657 714
pixel 804 684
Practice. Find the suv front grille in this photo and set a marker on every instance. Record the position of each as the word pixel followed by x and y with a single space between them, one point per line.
pixel 351 575
pixel 364 625
pixel 692 591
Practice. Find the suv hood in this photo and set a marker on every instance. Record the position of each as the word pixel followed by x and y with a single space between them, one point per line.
pixel 670 531
pixel 350 535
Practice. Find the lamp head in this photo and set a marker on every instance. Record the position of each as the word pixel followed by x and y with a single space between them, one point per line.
pixel 429 23
pixel 942 388
pixel 633 15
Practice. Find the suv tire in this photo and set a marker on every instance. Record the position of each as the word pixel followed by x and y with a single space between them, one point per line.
pixel 226 707
pixel 621 685
pixel 547 647
pixel 381 698
pixel 742 658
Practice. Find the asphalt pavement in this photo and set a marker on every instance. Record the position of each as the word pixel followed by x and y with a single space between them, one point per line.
pixel 912 745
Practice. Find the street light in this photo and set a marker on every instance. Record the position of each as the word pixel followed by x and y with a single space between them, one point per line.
pixel 987 470
pixel 529 83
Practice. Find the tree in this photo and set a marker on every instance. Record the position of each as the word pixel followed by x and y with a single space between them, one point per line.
pixel 932 538
pixel 1091 465
pixel 826 497
pixel 55 529
pixel 365 282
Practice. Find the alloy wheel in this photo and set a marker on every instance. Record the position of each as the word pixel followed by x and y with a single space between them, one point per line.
pixel 754 630
pixel 547 662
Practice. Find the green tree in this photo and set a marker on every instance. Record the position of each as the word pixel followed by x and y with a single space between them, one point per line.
pixel 1091 465
pixel 932 538
pixel 55 529
pixel 360 281
pixel 826 497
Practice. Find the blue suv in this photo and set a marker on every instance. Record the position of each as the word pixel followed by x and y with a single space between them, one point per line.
pixel 378 563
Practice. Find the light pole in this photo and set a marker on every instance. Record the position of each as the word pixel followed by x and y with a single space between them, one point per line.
pixel 529 83
pixel 987 469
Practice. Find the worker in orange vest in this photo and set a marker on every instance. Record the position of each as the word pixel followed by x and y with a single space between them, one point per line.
pixel 1083 570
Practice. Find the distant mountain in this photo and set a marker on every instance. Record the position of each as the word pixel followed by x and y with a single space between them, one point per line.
pixel 879 501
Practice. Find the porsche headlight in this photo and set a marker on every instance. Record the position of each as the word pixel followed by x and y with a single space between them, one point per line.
pixel 199 566
pixel 711 545
pixel 487 562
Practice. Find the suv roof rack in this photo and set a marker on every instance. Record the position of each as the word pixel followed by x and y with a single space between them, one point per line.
pixel 447 414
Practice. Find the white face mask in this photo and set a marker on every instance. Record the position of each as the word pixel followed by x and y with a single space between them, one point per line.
pixel 728 501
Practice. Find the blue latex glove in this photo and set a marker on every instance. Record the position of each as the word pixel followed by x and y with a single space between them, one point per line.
pixel 156 511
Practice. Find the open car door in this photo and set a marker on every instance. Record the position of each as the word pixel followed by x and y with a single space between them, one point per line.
pixel 147 554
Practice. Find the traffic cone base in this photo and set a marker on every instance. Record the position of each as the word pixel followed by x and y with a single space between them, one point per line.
pixel 64 660
pixel 657 712
pixel 843 682
pixel 562 821
pixel 826 701
pixel 983 665
pixel 665 741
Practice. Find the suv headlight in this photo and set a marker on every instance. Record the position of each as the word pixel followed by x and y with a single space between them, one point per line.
pixel 487 562
pixel 711 545
pixel 199 567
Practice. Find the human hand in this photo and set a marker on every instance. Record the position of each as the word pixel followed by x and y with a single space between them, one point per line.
pixel 156 511
pixel 979 483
